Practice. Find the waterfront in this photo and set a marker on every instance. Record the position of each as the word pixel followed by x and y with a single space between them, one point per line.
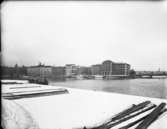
pixel 73 110
pixel 156 88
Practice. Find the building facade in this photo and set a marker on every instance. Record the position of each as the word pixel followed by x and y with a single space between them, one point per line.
pixel 107 68
pixel 71 70
pixel 40 71
pixel 96 69
pixel 114 69
pixel 58 72
pixel 120 69
pixel 84 70
pixel 46 72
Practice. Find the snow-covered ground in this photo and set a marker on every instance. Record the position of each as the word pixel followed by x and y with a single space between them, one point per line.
pixel 76 109
pixel 17 81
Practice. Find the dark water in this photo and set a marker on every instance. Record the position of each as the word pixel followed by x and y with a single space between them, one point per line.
pixel 156 88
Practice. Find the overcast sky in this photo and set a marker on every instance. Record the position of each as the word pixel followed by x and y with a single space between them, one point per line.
pixel 85 33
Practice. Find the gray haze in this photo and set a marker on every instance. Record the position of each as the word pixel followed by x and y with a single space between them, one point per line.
pixel 85 33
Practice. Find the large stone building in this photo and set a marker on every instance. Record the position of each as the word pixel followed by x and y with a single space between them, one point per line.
pixel 106 68
pixel 113 69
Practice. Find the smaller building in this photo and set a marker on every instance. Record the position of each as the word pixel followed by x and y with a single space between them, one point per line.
pixel 71 70
pixel 58 72
pixel 48 72
pixel 82 70
pixel 40 71
pixel 96 69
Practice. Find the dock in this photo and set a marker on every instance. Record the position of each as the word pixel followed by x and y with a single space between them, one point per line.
pixel 77 108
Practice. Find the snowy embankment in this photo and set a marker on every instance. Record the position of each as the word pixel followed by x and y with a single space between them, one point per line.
pixel 76 109
pixel 16 81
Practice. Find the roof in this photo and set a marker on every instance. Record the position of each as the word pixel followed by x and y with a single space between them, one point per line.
pixel 43 66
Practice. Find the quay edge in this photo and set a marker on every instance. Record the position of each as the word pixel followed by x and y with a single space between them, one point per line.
pixel 79 108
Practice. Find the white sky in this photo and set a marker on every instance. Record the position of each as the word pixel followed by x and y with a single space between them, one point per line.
pixel 85 33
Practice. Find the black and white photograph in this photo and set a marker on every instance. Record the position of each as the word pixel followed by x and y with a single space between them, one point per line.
pixel 75 64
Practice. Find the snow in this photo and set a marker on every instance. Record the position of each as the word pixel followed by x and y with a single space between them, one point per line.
pixel 79 108
pixel 15 116
pixel 17 81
